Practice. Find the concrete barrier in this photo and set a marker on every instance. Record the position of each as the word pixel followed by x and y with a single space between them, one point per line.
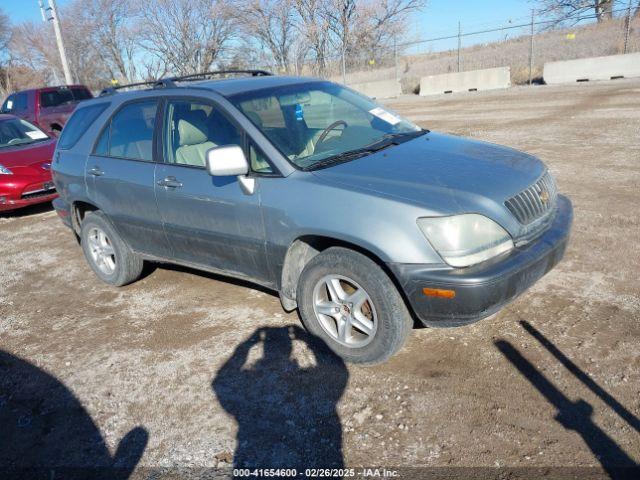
pixel 379 89
pixel 593 68
pixel 474 80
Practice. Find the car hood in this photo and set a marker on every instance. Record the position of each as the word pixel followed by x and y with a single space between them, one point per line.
pixel 28 159
pixel 27 155
pixel 445 173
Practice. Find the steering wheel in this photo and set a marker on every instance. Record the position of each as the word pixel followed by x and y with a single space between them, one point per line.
pixel 14 140
pixel 331 127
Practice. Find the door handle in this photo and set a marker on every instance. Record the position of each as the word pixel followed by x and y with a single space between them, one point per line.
pixel 170 182
pixel 96 172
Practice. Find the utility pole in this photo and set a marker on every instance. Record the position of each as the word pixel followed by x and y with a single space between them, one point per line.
pixel 459 43
pixel 628 28
pixel 533 15
pixel 51 14
pixel 395 56
pixel 344 64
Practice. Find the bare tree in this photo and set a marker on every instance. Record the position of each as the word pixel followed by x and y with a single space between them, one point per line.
pixel 360 28
pixel 271 23
pixel 561 9
pixel 5 34
pixel 152 69
pixel 342 15
pixel 388 19
pixel 110 29
pixel 187 35
pixel 314 26
pixel 5 37
pixel 86 60
pixel 32 46
pixel 130 39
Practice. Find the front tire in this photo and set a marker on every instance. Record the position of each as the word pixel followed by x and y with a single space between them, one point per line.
pixel 346 299
pixel 108 255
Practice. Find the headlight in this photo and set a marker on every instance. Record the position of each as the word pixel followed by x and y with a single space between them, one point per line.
pixel 464 240
pixel 5 171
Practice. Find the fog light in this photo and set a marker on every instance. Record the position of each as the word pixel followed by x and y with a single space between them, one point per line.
pixel 437 292
pixel 3 200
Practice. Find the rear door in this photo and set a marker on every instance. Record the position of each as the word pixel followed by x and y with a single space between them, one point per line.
pixel 120 176
pixel 209 221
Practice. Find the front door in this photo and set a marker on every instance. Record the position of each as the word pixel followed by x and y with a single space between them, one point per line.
pixel 209 221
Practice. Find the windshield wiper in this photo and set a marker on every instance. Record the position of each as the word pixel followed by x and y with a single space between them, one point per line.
pixel 405 136
pixel 349 155
pixel 385 142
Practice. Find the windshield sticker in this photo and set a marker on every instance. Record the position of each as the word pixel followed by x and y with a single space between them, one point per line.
pixel 299 112
pixel 382 114
pixel 36 135
pixel 9 104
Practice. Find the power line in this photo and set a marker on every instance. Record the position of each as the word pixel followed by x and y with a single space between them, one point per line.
pixel 509 27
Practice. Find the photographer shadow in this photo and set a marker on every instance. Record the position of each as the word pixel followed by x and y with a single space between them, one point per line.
pixel 45 432
pixel 286 413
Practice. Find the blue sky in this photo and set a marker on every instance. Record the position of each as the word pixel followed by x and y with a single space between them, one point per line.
pixel 19 10
pixel 440 16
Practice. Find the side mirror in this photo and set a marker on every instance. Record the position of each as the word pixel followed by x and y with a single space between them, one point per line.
pixel 230 161
pixel 226 161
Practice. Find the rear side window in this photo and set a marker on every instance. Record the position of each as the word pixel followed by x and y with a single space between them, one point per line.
pixel 80 94
pixel 130 132
pixel 55 98
pixel 79 122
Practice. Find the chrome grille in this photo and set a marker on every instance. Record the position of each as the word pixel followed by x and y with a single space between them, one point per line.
pixel 535 201
pixel 38 193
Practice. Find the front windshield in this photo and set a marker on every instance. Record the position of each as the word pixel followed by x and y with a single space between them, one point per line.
pixel 15 131
pixel 312 124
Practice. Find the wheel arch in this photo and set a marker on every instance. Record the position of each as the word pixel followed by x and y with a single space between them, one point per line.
pixel 78 211
pixel 303 249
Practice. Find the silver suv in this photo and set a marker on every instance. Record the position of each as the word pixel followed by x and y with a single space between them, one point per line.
pixel 357 217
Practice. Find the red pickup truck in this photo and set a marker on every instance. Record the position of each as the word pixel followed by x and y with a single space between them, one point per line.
pixel 48 108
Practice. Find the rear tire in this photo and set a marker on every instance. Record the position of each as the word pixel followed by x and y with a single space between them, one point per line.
pixel 346 299
pixel 108 255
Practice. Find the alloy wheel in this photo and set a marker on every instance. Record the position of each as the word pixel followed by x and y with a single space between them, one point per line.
pixel 102 251
pixel 345 311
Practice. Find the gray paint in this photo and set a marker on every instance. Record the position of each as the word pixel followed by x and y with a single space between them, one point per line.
pixel 372 202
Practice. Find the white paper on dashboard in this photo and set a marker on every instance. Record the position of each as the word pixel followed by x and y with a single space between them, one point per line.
pixel 36 135
pixel 382 114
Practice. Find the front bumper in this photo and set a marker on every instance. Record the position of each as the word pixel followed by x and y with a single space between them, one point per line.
pixel 483 289
pixel 21 192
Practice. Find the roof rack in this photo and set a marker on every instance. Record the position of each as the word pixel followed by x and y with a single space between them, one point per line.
pixel 201 76
pixel 115 88
pixel 170 82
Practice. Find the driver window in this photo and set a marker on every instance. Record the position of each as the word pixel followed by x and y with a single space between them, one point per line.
pixel 193 128
pixel 9 104
pixel 323 109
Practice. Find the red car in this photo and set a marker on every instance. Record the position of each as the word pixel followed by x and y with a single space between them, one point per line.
pixel 25 164
pixel 48 108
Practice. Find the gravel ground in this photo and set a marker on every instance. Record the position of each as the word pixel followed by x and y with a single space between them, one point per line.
pixel 184 369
